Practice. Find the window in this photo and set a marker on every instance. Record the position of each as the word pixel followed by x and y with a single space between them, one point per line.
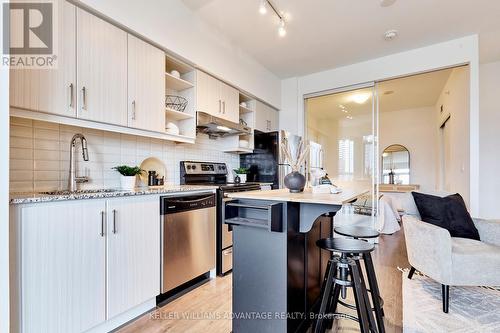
pixel 346 157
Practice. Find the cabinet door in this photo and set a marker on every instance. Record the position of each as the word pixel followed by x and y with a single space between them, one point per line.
pixel 146 86
pixel 230 103
pixel 273 117
pixel 261 117
pixel 133 252
pixel 51 90
pixel 208 94
pixel 63 266
pixel 101 70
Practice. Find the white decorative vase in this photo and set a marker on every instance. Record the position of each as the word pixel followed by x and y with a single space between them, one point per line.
pixel 128 182
pixel 243 177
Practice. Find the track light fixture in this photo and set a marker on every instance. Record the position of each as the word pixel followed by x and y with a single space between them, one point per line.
pixel 263 10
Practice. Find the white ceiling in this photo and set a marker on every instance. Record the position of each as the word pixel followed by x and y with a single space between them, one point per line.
pixel 417 91
pixel 325 34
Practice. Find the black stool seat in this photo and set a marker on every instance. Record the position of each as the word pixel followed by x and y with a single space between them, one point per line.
pixel 357 232
pixel 345 245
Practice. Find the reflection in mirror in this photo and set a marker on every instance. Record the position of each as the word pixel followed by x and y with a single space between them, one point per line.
pixel 396 165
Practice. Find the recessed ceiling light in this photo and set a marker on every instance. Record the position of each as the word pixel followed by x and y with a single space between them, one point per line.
pixel 390 34
pixel 349 117
pixel 360 98
pixel 387 3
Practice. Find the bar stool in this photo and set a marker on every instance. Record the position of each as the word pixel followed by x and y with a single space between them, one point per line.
pixel 378 303
pixel 336 280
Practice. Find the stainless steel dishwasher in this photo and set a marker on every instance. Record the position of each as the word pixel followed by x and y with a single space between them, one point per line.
pixel 188 238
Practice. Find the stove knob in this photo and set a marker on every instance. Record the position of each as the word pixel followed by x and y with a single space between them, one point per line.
pixel 189 166
pixel 193 167
pixel 223 167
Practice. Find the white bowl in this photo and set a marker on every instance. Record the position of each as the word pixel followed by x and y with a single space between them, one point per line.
pixel 175 73
pixel 172 128
pixel 243 104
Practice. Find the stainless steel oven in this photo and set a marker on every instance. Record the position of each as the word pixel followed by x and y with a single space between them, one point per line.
pixel 188 238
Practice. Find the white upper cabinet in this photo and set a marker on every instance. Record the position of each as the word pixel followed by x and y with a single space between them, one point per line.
pixel 146 86
pixel 216 98
pixel 101 70
pixel 51 90
pixel 63 266
pixel 266 118
pixel 207 94
pixel 133 252
pixel 230 103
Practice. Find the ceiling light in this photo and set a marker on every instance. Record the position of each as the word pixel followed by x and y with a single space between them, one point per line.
pixel 282 29
pixel 224 128
pixel 360 98
pixel 341 106
pixel 349 117
pixel 390 34
pixel 263 7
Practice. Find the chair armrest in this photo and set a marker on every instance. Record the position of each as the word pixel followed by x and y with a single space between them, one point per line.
pixel 489 231
pixel 428 248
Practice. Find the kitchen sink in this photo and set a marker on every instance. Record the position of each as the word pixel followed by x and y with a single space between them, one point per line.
pixel 67 192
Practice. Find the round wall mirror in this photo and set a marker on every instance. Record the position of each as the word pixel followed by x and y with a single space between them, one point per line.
pixel 396 165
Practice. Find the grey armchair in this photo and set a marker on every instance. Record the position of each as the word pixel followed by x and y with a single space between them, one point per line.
pixel 454 261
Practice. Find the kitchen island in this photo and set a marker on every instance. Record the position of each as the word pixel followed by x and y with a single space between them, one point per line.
pixel 277 267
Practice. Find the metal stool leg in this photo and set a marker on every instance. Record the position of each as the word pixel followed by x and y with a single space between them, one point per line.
pixel 326 291
pixel 334 302
pixel 361 307
pixel 372 282
pixel 368 305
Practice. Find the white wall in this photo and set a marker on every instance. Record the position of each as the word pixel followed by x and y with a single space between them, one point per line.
pixel 455 100
pixel 413 128
pixel 4 193
pixel 489 160
pixel 173 25
pixel 455 52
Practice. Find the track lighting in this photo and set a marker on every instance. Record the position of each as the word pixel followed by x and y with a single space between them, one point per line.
pixel 282 29
pixel 263 7
pixel 264 4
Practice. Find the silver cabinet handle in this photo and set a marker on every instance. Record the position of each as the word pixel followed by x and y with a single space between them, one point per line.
pixel 84 98
pixel 71 95
pixel 102 223
pixel 133 110
pixel 220 106
pixel 114 221
pixel 224 107
pixel 228 252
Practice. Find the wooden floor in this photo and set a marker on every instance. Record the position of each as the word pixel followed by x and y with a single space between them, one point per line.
pixel 208 308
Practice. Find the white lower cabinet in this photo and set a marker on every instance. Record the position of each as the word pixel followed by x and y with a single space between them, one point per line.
pixel 133 252
pixel 83 262
pixel 63 263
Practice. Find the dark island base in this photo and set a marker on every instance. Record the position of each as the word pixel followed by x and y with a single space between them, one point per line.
pixel 277 276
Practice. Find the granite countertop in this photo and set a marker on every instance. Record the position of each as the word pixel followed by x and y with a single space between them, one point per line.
pixel 307 196
pixel 33 197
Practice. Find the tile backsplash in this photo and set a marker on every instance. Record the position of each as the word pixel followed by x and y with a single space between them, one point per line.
pixel 39 155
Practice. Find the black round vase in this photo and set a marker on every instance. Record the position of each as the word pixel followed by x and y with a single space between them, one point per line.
pixel 295 182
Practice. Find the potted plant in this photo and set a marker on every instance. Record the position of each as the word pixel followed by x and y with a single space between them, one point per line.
pixel 128 177
pixel 241 173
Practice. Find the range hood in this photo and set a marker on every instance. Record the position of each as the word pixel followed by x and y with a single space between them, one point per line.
pixel 217 127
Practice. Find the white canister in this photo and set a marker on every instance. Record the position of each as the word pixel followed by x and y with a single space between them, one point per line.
pixel 243 177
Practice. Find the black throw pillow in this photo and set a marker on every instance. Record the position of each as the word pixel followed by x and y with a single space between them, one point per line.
pixel 449 212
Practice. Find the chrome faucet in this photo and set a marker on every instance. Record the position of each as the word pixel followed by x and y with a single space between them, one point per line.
pixel 73 179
